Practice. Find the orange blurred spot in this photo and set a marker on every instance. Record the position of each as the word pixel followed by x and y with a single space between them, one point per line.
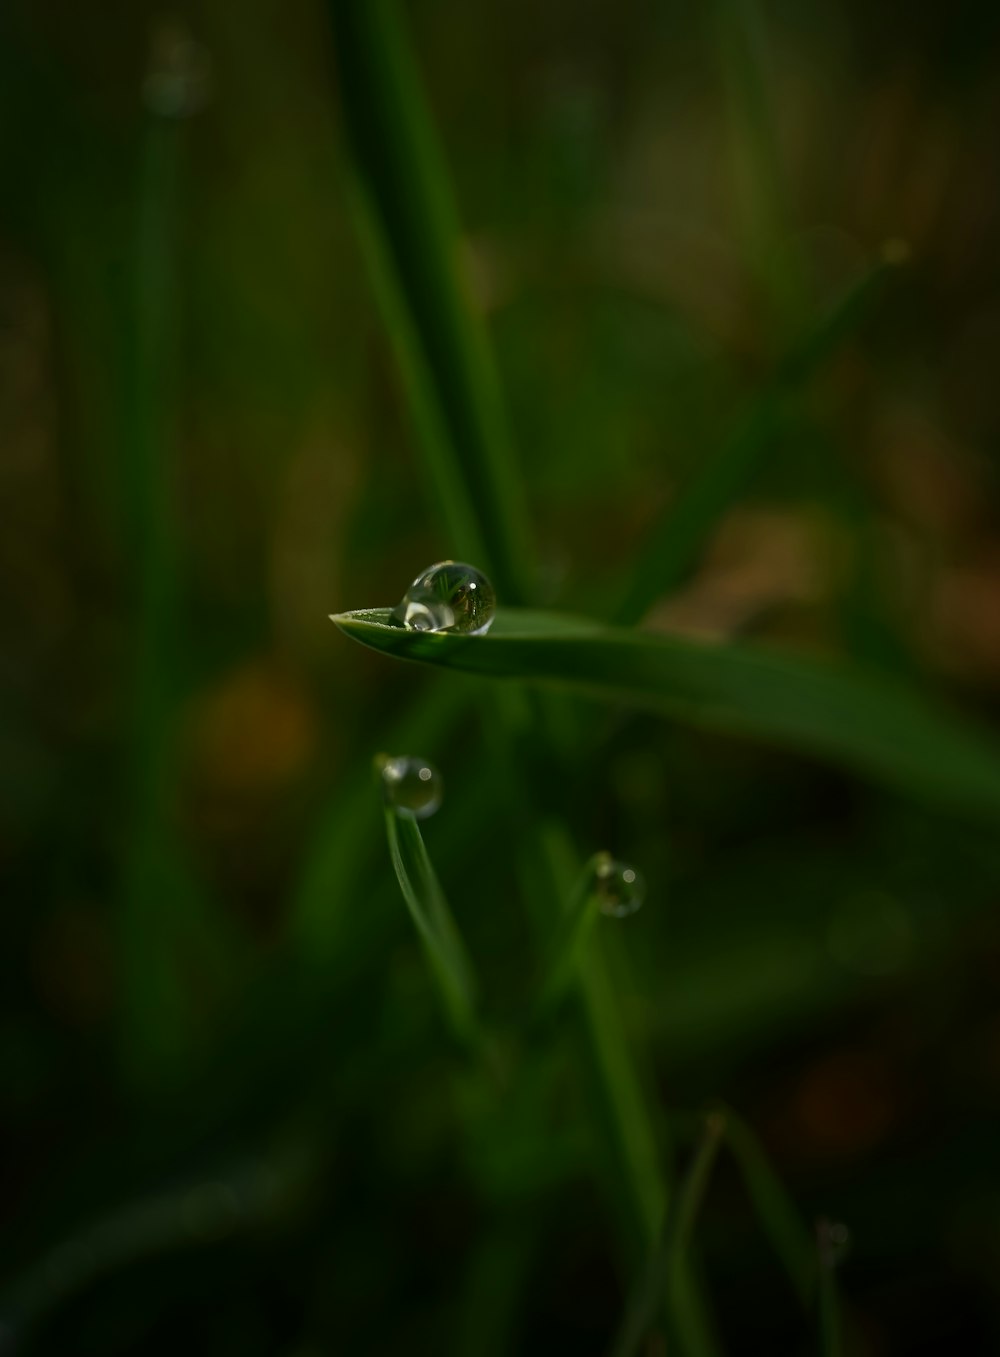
pixel 254 732
pixel 965 617
pixel 844 1105
pixel 72 964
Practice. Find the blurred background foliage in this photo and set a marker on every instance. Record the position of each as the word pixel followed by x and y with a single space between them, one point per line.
pixel 229 1117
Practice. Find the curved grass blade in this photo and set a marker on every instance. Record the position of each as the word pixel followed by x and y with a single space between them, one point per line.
pixel 248 1195
pixel 776 1214
pixel 435 925
pixel 668 1273
pixel 854 719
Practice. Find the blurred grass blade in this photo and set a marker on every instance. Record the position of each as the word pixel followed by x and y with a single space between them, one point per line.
pixel 407 197
pixel 831 1241
pixel 241 1200
pixel 774 1210
pixel 435 925
pixel 668 1275
pixel 573 931
pixel 549 874
pixel 449 496
pixel 155 889
pixel 753 132
pixel 674 543
pixel 858 720
pixel 829 1314
pixel 498 1273
pixel 626 1104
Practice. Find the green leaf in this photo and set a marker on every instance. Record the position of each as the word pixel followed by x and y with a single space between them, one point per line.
pixel 858 720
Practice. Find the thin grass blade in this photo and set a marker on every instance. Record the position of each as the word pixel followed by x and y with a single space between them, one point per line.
pixel 401 168
pixel 831 1242
pixel 753 130
pixel 667 1277
pixel 673 544
pixel 573 931
pixel 775 1212
pixel 434 923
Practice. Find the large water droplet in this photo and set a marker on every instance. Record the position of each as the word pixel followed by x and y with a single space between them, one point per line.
pixel 449 596
pixel 620 888
pixel 411 785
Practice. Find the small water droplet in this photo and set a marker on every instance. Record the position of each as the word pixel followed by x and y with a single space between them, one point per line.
pixel 178 81
pixel 449 596
pixel 413 786
pixel 620 888
pixel 834 1240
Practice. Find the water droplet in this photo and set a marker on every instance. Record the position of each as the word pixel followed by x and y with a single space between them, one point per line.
pixel 620 888
pixel 413 786
pixel 834 1240
pixel 178 81
pixel 449 596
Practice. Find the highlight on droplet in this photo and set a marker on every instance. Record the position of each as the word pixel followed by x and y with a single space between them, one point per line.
pixel 412 786
pixel 449 596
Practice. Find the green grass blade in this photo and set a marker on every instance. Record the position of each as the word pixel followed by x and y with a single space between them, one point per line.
pixel 400 166
pixel 774 1210
pixel 345 841
pixel 550 873
pixel 762 200
pixel 449 492
pixel 154 886
pixel 626 1105
pixel 434 923
pixel 574 929
pixel 831 1241
pixel 672 546
pixel 829 1315
pixel 858 720
pixel 240 1200
pixel 667 1274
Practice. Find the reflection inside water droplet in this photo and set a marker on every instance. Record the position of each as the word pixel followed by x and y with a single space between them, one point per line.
pixel 449 596
pixel 620 888
pixel 411 785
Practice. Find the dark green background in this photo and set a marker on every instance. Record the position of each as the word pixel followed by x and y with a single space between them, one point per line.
pixel 230 1120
